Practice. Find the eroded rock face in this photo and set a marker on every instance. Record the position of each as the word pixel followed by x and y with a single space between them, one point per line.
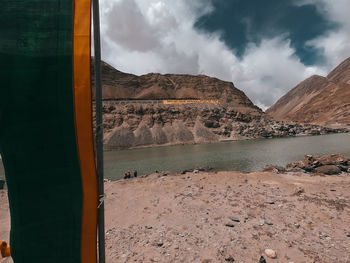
pixel 318 100
pixel 138 125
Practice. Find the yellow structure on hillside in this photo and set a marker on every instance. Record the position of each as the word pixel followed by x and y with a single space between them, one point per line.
pixel 189 101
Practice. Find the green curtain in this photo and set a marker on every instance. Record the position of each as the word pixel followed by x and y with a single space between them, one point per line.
pixel 37 132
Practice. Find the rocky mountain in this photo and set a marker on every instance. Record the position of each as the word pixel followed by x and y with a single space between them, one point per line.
pixel 135 115
pixel 148 124
pixel 153 86
pixel 318 100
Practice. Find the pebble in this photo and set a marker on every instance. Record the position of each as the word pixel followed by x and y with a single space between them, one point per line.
pixel 298 191
pixel 229 225
pixel 234 219
pixel 270 253
pixel 297 225
pixel 230 259
pixel 262 260
pixel 348 235
pixel 268 223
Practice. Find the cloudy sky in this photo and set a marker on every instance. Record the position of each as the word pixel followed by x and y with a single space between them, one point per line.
pixel 264 47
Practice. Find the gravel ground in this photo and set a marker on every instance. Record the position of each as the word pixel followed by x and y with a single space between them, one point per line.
pixel 224 217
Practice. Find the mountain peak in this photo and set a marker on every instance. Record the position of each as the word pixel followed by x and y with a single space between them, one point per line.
pixel 156 86
pixel 318 100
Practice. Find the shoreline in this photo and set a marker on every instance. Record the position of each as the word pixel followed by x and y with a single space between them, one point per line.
pixel 108 149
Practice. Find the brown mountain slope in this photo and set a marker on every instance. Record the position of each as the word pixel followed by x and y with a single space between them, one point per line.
pixel 119 85
pixel 318 100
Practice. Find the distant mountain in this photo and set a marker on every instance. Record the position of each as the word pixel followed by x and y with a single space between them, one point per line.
pixel 318 100
pixel 119 85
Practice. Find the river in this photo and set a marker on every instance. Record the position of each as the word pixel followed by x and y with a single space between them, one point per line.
pixel 243 156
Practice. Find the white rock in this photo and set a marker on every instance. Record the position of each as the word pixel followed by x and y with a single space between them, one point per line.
pixel 270 253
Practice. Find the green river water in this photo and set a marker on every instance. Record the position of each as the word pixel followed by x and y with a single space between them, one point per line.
pixel 243 156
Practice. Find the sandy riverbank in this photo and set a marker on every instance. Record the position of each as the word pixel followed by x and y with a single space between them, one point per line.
pixel 186 218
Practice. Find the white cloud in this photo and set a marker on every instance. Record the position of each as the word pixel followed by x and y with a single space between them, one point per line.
pixel 270 70
pixel 142 36
pixel 335 44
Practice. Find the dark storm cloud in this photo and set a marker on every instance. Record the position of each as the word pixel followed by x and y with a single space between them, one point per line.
pixel 248 21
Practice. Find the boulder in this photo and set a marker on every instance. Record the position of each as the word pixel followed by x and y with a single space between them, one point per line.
pixel 333 159
pixel 343 168
pixel 328 169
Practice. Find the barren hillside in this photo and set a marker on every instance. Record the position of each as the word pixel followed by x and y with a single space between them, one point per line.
pixel 318 100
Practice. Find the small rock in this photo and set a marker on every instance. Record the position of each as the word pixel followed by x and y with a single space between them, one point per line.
pixel 195 171
pixel 149 227
pixel 271 203
pixel 262 260
pixel 298 191
pixel 297 225
pixel 348 235
pixel 234 219
pixel 267 222
pixel 229 225
pixel 160 244
pixel 270 253
pixel 230 259
pixel 333 190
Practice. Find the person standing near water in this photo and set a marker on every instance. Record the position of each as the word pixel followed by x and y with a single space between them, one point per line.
pixel 126 176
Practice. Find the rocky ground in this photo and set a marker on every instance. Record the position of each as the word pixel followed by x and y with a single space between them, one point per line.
pixel 138 125
pixel 226 216
pixel 320 165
